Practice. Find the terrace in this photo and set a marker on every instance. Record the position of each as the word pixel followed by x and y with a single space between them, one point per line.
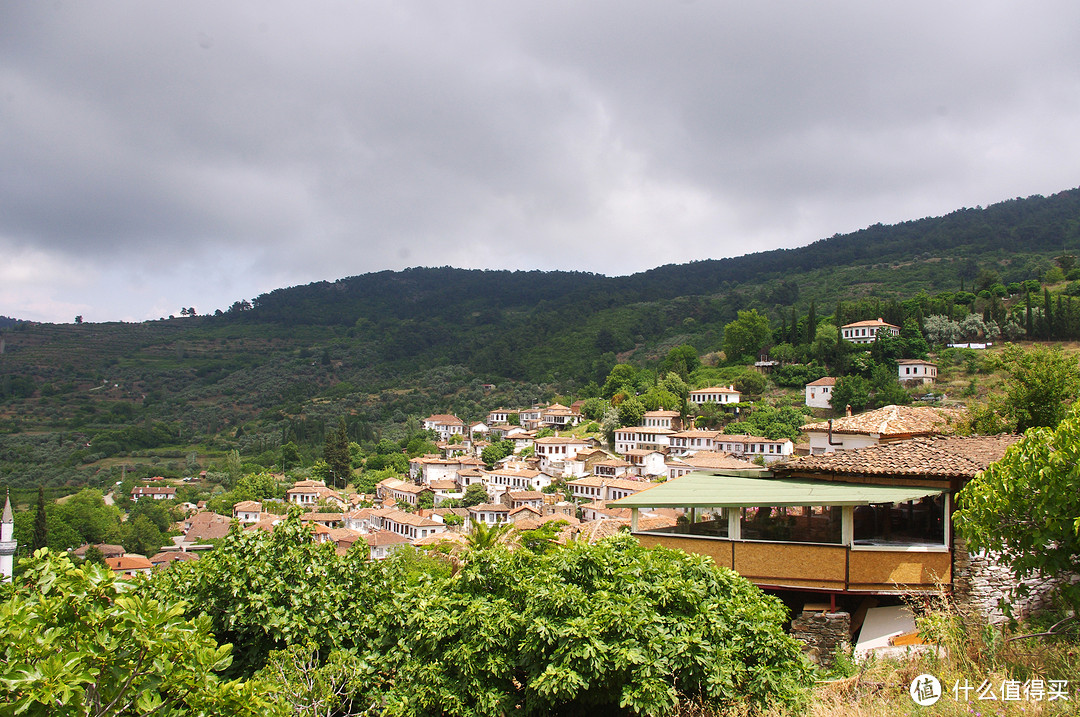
pixel 816 535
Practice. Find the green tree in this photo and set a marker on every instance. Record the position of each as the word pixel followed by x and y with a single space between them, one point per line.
pixel 851 391
pixel 744 336
pixel 1025 507
pixel 496 451
pixel 475 494
pixel 623 378
pixel 140 535
pixel 87 513
pixel 290 456
pixel 610 628
pixel 78 641
pixel 336 455
pixel 1042 383
pixel 631 412
pixel 681 360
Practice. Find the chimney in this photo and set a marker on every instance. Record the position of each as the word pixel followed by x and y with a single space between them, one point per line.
pixel 847 411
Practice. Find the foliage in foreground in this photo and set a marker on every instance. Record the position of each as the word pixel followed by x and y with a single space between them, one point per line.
pixel 1026 506
pixel 612 626
pixel 77 641
pixel 586 629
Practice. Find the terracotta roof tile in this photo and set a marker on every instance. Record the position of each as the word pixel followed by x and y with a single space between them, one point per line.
pixel 895 421
pixel 939 457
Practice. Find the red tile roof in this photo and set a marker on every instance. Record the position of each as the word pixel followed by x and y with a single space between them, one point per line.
pixel 939 457
pixel 895 421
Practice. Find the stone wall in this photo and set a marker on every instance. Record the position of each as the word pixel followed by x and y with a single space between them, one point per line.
pixel 821 633
pixel 980 581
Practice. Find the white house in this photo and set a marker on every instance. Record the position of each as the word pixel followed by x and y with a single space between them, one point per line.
pixel 865 332
pixel 558 416
pixel 555 451
pixel 715 394
pixel 247 511
pixel 641 437
pixel 662 419
pixel 445 425
pixel 489 513
pixel 646 462
pixel 308 493
pixel 594 488
pixel 751 447
pixel 916 370
pixel 819 393
pixel 155 492
pixel 500 416
pixel 500 480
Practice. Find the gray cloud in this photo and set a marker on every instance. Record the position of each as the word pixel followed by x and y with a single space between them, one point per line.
pixel 161 156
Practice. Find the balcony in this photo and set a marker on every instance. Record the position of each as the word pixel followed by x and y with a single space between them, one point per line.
pixel 808 535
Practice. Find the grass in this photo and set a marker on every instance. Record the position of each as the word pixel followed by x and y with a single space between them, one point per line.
pixel 974 652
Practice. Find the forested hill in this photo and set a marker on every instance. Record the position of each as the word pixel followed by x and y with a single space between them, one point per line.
pixel 1019 226
pixel 382 347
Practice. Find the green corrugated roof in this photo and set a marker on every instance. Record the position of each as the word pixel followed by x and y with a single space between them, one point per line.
pixel 705 489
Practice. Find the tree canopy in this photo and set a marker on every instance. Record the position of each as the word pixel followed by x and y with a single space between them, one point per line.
pixel 1026 506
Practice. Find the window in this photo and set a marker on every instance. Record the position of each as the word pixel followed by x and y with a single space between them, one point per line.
pixel 914 523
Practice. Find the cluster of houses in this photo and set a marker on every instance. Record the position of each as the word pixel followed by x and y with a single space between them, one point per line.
pixel 909 372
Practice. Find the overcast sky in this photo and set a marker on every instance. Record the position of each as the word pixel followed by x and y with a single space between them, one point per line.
pixel 161 155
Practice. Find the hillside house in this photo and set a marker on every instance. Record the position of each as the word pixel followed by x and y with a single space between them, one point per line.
pixel 873 520
pixel 645 462
pixel 865 332
pixel 409 493
pixel 530 418
pixel 555 451
pixel 516 499
pixel 819 393
pixel 445 425
pixel 130 565
pixel 489 513
pixel 153 492
pixel 662 419
pixel 524 513
pixel 594 488
pixel 750 447
pixel 558 416
pixel 308 493
pixel 513 478
pixel 911 371
pixel 408 525
pixel 715 394
pixel 500 416
pixel 383 543
pixel 641 438
pixel 611 467
pixel 883 425
pixel 247 511
pixel 583 463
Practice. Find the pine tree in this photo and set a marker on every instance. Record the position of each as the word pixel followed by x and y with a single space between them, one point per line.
pixel 1029 325
pixel 41 526
pixel 336 454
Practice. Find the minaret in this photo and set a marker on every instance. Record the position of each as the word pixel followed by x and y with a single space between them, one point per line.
pixel 7 542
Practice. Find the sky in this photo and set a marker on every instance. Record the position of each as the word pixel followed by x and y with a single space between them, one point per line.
pixel 164 155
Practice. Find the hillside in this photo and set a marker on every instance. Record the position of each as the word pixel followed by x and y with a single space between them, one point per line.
pixel 381 347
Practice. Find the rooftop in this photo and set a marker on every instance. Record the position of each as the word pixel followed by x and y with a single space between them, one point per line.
pixel 895 421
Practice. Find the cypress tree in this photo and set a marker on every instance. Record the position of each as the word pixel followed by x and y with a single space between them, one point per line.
pixel 41 526
pixel 1029 326
pixel 1048 315
pixel 811 324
